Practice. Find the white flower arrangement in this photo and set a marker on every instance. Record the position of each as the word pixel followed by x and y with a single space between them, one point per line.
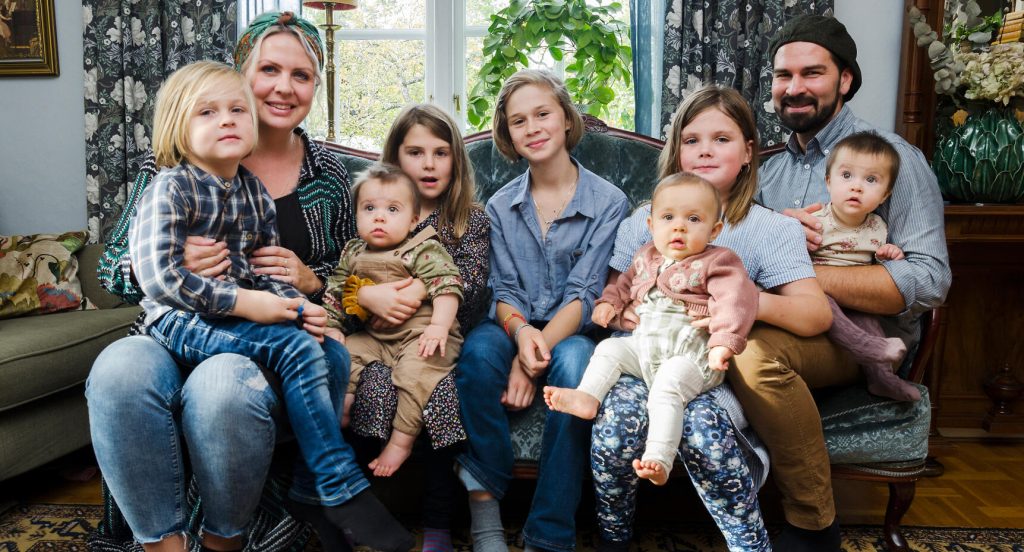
pixel 973 69
pixel 996 75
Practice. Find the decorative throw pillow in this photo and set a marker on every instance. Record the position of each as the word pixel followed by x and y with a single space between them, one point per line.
pixel 39 274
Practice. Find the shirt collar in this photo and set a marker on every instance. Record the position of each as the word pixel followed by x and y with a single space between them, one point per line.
pixel 826 138
pixel 578 203
pixel 211 179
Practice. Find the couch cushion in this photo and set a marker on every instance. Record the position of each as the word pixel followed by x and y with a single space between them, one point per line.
pixel 40 355
pixel 859 427
pixel 39 273
pixel 354 165
pixel 862 428
pixel 630 165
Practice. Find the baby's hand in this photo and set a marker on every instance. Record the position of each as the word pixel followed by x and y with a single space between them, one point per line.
pixel 335 334
pixel 603 314
pixel 434 337
pixel 718 358
pixel 889 252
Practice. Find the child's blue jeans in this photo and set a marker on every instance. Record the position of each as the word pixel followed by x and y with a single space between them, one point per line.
pixel 296 357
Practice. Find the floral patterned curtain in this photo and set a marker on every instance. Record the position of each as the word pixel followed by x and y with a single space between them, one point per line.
pixel 726 42
pixel 130 47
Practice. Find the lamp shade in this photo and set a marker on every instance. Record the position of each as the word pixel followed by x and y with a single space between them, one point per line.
pixel 332 5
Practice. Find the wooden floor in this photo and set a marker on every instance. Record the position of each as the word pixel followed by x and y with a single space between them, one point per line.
pixel 982 486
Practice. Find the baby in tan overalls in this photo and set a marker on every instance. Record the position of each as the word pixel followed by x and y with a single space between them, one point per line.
pixel 421 351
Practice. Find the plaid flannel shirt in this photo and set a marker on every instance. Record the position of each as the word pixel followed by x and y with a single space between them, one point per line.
pixel 184 201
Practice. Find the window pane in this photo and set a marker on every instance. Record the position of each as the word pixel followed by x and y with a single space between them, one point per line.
pixel 376 78
pixel 478 12
pixel 620 112
pixel 378 14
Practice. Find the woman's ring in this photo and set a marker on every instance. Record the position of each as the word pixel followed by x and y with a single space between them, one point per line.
pixel 287 271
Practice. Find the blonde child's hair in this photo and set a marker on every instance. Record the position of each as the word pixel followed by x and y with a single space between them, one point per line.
pixel 249 65
pixel 732 104
pixel 460 197
pixel 543 79
pixel 868 143
pixel 386 174
pixel 177 99
pixel 680 179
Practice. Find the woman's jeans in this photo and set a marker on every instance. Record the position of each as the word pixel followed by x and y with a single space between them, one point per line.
pixel 141 407
pixel 481 377
pixel 709 450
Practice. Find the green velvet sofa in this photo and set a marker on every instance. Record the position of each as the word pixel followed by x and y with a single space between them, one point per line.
pixel 868 438
pixel 44 361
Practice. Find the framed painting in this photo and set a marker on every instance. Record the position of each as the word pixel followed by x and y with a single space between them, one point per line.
pixel 28 38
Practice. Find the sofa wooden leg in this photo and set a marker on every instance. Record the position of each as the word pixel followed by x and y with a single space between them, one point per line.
pixel 933 468
pixel 900 497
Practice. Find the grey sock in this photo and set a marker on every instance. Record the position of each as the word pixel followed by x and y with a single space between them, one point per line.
pixel 488 533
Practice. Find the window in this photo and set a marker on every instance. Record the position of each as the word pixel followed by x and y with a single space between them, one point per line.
pixel 389 54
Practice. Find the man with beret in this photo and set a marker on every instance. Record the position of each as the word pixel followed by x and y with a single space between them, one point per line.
pixel 815 75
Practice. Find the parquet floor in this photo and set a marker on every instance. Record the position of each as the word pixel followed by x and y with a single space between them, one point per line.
pixel 983 486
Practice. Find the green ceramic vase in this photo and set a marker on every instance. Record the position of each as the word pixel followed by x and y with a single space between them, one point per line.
pixel 982 161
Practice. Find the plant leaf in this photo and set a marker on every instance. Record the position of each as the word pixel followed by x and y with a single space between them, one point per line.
pixel 556 53
pixel 604 94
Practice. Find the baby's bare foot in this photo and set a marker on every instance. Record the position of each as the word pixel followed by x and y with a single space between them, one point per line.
pixel 391 458
pixel 650 470
pixel 571 401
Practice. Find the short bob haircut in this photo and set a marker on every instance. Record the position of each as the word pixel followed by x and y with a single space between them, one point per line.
pixel 680 179
pixel 543 79
pixel 732 104
pixel 386 174
pixel 177 99
pixel 868 143
pixel 460 197
pixel 249 64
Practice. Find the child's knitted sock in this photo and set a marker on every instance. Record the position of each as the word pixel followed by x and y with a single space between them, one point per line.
pixel 488 533
pixel 437 540
pixel 884 383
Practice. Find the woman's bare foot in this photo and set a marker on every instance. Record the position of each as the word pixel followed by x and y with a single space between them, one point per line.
pixel 571 401
pixel 399 448
pixel 650 470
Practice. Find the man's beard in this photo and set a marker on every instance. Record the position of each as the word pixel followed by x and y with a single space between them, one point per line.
pixel 801 123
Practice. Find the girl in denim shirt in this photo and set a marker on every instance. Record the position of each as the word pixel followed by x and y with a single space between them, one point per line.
pixel 552 231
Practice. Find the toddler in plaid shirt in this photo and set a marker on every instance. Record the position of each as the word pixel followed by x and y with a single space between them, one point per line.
pixel 675 279
pixel 204 124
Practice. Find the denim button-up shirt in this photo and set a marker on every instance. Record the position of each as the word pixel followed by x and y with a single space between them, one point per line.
pixel 539 274
pixel 914 212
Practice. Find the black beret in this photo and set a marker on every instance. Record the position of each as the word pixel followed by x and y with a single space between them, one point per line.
pixel 826 32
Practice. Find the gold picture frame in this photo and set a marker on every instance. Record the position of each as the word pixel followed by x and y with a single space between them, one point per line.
pixel 28 39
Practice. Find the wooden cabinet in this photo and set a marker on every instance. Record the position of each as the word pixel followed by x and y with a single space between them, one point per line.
pixel 984 316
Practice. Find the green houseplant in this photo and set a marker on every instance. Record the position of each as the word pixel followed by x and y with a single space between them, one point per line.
pixel 564 29
pixel 979 156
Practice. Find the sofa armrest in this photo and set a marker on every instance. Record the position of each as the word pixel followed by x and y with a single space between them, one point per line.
pixel 88 262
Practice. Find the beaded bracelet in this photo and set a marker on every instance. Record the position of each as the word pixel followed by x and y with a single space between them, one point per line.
pixel 508 318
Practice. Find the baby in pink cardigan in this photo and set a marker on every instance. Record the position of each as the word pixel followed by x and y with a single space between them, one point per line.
pixel 673 280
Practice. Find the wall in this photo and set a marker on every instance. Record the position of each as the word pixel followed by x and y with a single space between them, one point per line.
pixel 877 26
pixel 42 146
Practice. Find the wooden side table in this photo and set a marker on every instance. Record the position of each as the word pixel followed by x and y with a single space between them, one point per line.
pixel 982 354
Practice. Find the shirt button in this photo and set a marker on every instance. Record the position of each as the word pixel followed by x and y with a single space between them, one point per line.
pixel 796 202
pixel 825 152
pixel 807 166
